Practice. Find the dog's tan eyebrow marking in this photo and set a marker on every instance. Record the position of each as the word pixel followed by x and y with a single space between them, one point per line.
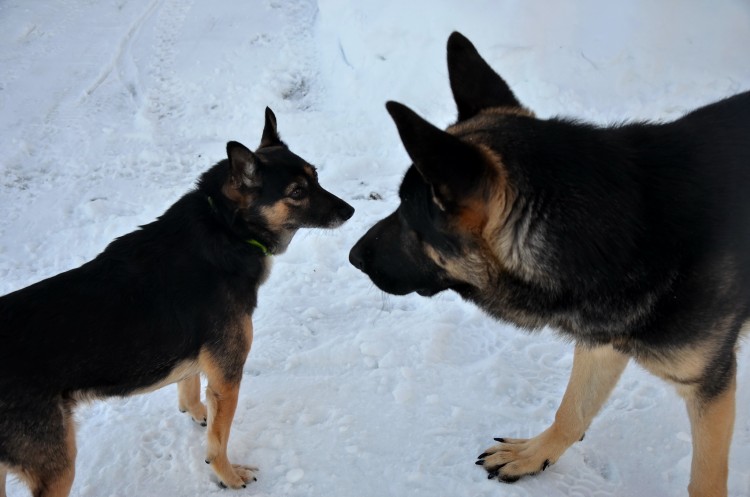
pixel 300 182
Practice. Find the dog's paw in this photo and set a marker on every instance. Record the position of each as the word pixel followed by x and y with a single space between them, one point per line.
pixel 198 413
pixel 237 476
pixel 514 458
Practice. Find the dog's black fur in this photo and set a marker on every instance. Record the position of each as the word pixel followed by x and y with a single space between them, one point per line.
pixel 157 305
pixel 633 238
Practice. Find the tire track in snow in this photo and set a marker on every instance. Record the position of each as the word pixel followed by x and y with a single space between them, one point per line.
pixel 163 101
pixel 118 62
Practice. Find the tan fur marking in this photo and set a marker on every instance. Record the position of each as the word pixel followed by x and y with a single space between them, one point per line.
pixel 712 424
pixel 276 215
pixel 470 267
pixel 57 479
pixel 507 236
pixel 189 398
pixel 595 372
pixel 233 193
pixel 221 397
pixel 515 111
pixel 498 196
pixel 486 213
pixel 182 370
pixel 684 366
pixel 247 330
pixel 497 203
pixel 473 217
pixel 687 366
pixel 486 118
pixel 480 217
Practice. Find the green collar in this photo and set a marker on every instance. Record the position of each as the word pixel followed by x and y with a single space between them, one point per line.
pixel 263 248
pixel 251 241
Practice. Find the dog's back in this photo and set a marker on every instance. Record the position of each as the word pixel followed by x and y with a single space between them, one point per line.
pixel 121 321
pixel 718 138
pixel 700 166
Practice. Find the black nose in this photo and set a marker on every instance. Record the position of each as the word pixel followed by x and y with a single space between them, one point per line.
pixel 345 211
pixel 356 256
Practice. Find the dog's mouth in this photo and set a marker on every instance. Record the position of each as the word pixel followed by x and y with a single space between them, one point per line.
pixel 462 289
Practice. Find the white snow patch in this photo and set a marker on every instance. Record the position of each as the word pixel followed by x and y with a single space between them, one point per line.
pixel 347 391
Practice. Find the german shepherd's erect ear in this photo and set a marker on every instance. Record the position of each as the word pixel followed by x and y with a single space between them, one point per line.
pixel 474 84
pixel 270 136
pixel 449 165
pixel 243 174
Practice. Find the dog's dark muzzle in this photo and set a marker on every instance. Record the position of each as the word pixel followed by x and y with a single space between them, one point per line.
pixel 357 255
pixel 329 212
pixel 384 256
pixel 345 211
pixel 368 253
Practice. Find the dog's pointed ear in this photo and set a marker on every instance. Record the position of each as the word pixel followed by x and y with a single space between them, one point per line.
pixel 451 166
pixel 243 172
pixel 270 132
pixel 474 84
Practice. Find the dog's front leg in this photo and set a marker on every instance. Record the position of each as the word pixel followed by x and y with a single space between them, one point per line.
pixel 221 397
pixel 595 372
pixel 712 424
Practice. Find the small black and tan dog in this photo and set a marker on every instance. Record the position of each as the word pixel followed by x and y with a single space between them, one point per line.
pixel 160 305
pixel 632 240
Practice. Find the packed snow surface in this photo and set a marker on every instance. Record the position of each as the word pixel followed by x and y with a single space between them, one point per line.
pixel 109 111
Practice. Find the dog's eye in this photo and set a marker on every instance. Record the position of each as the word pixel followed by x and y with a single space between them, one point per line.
pixel 298 193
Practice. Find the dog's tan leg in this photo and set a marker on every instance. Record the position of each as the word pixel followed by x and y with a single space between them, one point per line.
pixel 57 485
pixel 221 397
pixel 189 399
pixel 711 423
pixel 222 402
pixel 595 372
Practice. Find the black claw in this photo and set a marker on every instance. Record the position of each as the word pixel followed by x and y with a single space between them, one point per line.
pixel 222 485
pixel 208 462
pixel 582 437
pixel 204 424
pixel 501 440
pixel 244 486
pixel 480 462
pixel 483 455
pixel 492 474
pixel 545 465
pixel 255 479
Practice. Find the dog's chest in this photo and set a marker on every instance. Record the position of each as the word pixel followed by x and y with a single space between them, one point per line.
pixel 265 272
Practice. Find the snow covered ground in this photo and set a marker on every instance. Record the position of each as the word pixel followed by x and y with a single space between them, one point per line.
pixel 110 109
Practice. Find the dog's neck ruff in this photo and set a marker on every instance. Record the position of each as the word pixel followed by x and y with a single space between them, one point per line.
pixel 251 241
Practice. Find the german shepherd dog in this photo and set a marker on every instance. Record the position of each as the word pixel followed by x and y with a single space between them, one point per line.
pixel 159 305
pixel 632 240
